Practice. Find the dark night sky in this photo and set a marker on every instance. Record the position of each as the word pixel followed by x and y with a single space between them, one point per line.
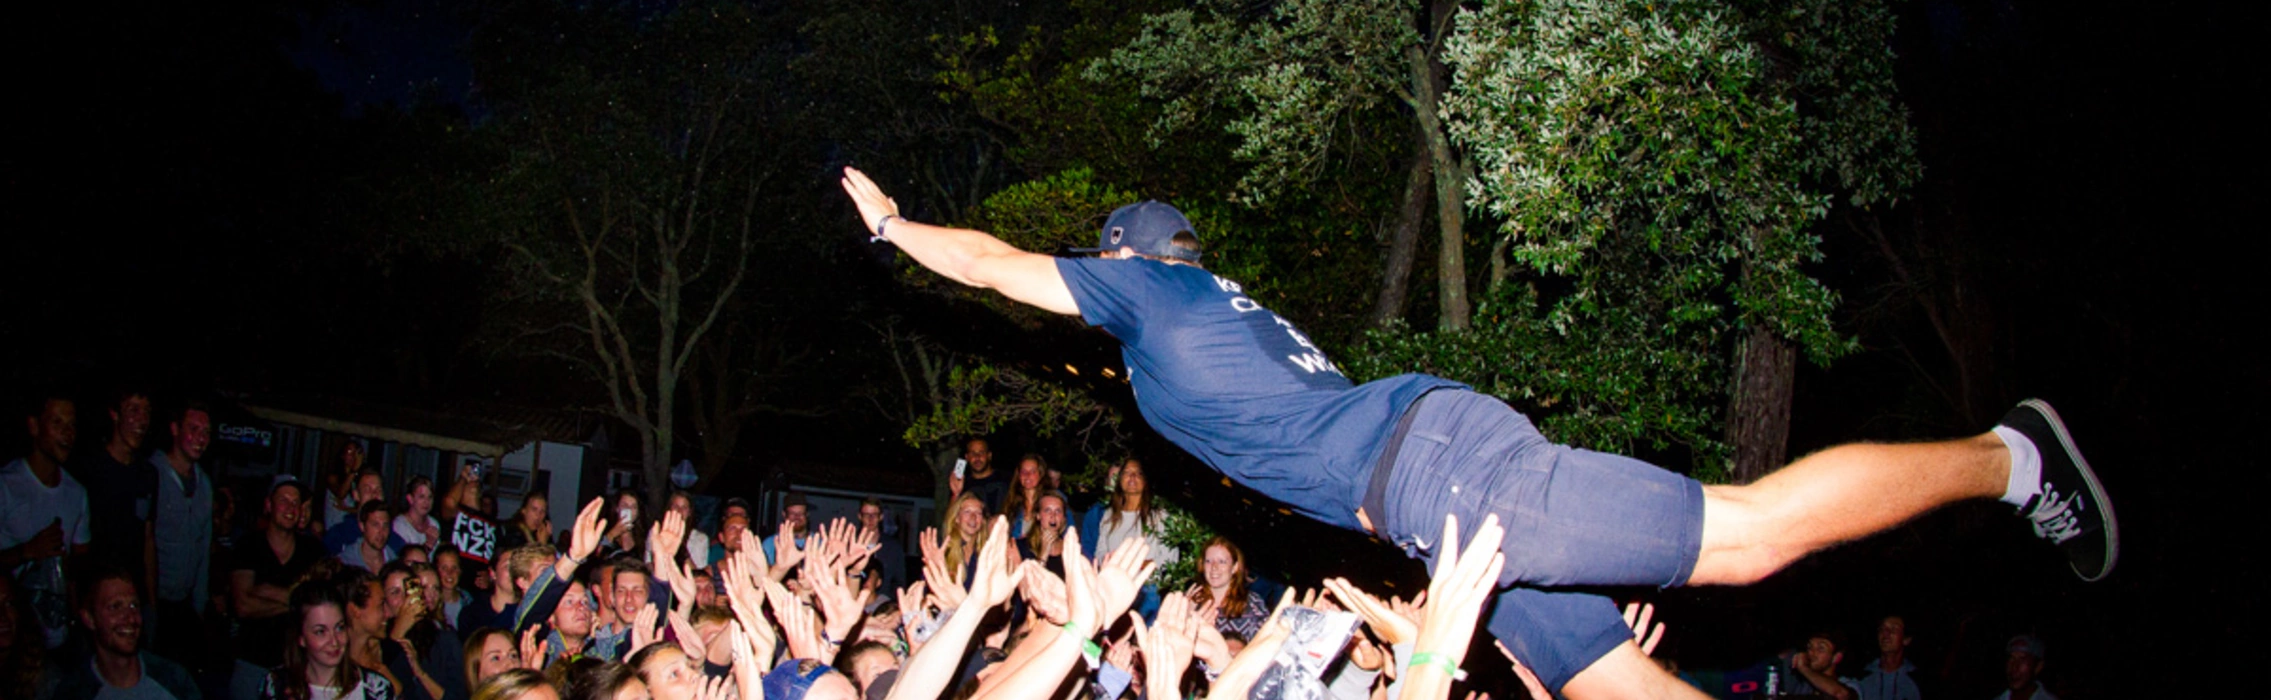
pixel 166 175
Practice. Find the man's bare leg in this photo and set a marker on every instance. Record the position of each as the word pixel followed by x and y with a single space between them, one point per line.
pixel 1627 673
pixel 1836 495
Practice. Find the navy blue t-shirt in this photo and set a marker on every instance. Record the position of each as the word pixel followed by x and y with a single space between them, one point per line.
pixel 1239 386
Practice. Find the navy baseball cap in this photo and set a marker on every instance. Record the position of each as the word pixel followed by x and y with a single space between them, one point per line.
pixel 1145 227
pixel 786 683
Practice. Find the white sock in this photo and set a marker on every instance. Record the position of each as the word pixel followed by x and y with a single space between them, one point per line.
pixel 2026 467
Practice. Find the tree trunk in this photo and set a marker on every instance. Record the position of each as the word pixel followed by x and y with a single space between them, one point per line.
pixel 657 460
pixel 1758 413
pixel 1403 246
pixel 1450 195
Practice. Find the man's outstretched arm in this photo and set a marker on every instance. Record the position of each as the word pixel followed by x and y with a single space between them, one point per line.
pixel 974 258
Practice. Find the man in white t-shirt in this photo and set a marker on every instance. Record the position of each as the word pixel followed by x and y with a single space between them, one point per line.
pixel 43 515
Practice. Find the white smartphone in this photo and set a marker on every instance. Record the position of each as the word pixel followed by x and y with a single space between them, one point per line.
pixel 960 465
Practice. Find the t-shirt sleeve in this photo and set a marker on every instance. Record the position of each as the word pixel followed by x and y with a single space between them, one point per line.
pixel 81 533
pixel 1111 294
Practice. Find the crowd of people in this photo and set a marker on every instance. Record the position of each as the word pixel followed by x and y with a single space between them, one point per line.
pixel 126 579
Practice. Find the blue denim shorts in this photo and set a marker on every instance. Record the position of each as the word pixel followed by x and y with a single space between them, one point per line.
pixel 1572 517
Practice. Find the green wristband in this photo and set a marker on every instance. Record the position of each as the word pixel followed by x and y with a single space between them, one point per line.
pixel 1429 658
pixel 1088 646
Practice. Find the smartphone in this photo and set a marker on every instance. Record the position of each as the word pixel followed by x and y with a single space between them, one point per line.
pixel 960 465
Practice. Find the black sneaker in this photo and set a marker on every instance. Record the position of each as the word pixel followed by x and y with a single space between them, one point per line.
pixel 2072 510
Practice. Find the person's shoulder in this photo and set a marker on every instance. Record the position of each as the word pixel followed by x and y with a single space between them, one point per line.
pixel 174 677
pixel 376 686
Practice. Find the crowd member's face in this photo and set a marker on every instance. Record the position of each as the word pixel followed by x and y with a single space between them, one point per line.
pixel 573 617
pixel 542 563
pixel 397 593
pixel 430 586
pixel 115 617
pixel 497 656
pixel 794 517
pixel 730 534
pixel 323 633
pixel 630 594
pixel 1028 475
pixel 368 488
pixel 604 593
pixel 1052 514
pixel 421 499
pixel 866 666
pixel 1892 635
pixel 448 568
pixel 871 517
pixel 1820 654
pixel 969 514
pixel 191 434
pixel 130 420
pixel 671 675
pixel 501 571
pixel 632 690
pixel 375 527
pixel 285 508
pixel 683 506
pixel 1219 567
pixel 351 458
pixel 370 617
pixel 979 455
pixel 54 429
pixel 2020 669
pixel 532 511
pixel 1131 478
pixel 627 509
pixel 705 591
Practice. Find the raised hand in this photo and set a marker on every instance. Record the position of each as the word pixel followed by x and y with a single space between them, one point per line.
pixel 1081 607
pixel 1392 626
pixel 841 604
pixel 786 553
pixel 1043 591
pixel 1464 579
pixel 1121 652
pixel 994 581
pixel 799 627
pixel 748 663
pixel 667 539
pixel 1240 674
pixel 872 203
pixel 681 580
pixel 913 612
pixel 1521 670
pixel 689 639
pixel 944 583
pixel 644 628
pixel 1120 577
pixel 706 688
pixel 589 531
pixel 750 619
pixel 1167 646
pixel 1210 647
pixel 1636 616
pixel 532 650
